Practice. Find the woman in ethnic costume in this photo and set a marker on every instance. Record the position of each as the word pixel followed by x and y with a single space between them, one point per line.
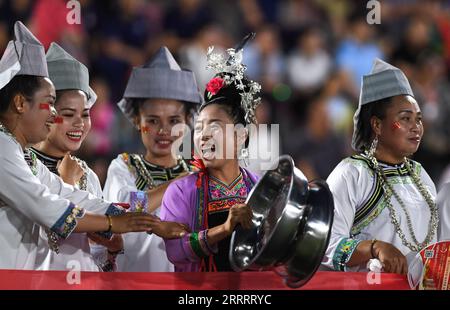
pixel 159 96
pixel 211 201
pixel 74 99
pixel 384 202
pixel 29 193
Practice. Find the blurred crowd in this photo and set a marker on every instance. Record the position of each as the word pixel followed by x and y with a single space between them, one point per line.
pixel 309 56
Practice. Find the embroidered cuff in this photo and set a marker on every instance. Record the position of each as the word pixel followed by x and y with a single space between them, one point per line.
pixel 112 210
pixel 344 252
pixel 67 222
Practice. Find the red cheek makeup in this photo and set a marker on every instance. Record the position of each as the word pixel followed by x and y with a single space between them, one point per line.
pixel 58 120
pixel 145 129
pixel 44 106
pixel 396 125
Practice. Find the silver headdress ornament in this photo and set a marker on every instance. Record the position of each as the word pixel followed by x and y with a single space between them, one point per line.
pixel 233 65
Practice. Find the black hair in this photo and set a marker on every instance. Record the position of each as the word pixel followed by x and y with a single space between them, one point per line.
pixel 375 108
pixel 59 93
pixel 26 85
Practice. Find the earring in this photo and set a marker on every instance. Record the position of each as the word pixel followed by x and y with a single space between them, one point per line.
pixel 244 156
pixel 373 147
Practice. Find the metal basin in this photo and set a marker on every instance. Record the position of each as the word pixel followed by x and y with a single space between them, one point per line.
pixel 312 239
pixel 291 225
pixel 277 201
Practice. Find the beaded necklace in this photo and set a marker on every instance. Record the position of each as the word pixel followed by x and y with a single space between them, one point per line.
pixel 415 245
pixel 143 171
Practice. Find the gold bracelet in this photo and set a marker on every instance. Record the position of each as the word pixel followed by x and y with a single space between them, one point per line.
pixel 109 223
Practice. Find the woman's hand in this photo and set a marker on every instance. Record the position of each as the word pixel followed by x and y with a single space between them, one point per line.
pixel 390 257
pixel 115 244
pixel 70 170
pixel 238 214
pixel 133 222
pixel 170 230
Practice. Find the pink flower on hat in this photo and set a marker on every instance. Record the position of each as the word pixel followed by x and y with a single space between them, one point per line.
pixel 214 85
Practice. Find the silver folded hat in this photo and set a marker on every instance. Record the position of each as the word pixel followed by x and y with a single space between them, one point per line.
pixel 68 73
pixel 24 55
pixel 160 78
pixel 382 82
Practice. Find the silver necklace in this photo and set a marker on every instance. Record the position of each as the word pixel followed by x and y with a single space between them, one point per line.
pixel 415 245
pixel 82 183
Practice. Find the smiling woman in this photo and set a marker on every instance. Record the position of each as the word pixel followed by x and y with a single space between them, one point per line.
pixel 212 200
pixel 384 202
pixel 30 195
pixel 74 99
pixel 158 98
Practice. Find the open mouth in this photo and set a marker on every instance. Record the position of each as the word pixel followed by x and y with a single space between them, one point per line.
pixel 208 151
pixel 415 140
pixel 164 143
pixel 74 135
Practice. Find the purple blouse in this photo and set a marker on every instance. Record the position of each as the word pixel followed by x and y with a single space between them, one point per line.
pixel 183 203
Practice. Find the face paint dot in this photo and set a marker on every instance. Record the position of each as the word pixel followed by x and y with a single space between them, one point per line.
pixel 44 106
pixel 58 120
pixel 396 125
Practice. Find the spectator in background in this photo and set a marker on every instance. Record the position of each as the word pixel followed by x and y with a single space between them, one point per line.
pixel 294 15
pixel 340 107
pixel 355 54
pixel 49 22
pixel 419 36
pixel 193 54
pixel 183 20
pixel 309 65
pixel 252 15
pixel 264 58
pixel 432 90
pixel 264 145
pixel 125 36
pixel 318 149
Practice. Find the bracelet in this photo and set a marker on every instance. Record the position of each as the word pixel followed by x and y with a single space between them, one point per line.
pixel 109 223
pixel 371 248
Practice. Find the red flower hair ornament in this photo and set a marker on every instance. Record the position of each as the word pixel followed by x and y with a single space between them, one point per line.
pixel 214 86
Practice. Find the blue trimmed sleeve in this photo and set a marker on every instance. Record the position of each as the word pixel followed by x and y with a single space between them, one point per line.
pixel 68 221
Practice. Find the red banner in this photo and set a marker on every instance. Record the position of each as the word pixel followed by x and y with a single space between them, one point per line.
pixel 51 280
